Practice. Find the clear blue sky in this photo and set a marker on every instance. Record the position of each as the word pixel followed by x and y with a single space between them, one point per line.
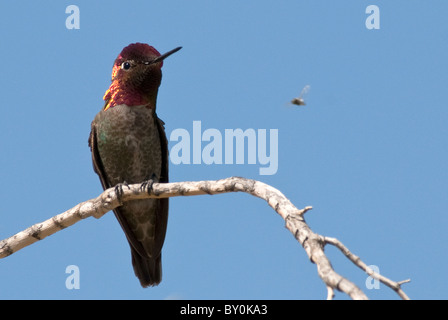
pixel 369 152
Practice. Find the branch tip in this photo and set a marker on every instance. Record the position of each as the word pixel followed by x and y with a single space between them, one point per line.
pixel 305 210
pixel 403 282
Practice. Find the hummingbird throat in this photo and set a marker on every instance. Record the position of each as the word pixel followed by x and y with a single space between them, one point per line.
pixel 116 95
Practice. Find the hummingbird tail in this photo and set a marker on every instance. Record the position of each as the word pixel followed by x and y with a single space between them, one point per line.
pixel 148 271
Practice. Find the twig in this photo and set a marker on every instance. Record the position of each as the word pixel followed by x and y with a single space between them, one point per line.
pixel 396 286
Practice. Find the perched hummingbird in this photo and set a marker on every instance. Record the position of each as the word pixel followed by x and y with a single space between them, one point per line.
pixel 129 145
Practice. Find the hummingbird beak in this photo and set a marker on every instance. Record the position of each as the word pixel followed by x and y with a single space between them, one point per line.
pixel 163 56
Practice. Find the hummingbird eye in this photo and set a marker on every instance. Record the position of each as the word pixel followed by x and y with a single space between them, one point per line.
pixel 126 65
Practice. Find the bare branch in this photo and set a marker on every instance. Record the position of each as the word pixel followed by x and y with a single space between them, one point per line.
pixel 295 222
pixel 396 286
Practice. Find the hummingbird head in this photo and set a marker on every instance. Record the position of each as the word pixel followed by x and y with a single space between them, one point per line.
pixel 136 76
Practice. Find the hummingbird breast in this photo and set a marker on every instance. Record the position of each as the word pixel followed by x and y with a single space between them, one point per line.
pixel 129 144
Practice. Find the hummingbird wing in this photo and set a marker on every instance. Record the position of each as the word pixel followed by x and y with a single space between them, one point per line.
pixel 162 213
pixel 96 160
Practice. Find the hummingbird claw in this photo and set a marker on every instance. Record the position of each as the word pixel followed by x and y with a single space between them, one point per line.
pixel 119 190
pixel 147 185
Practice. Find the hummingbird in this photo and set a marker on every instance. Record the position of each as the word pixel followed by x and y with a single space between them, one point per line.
pixel 129 145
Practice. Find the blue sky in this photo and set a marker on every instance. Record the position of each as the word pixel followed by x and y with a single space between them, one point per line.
pixel 369 151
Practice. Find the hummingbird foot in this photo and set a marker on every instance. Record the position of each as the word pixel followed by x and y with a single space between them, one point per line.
pixel 119 190
pixel 147 185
